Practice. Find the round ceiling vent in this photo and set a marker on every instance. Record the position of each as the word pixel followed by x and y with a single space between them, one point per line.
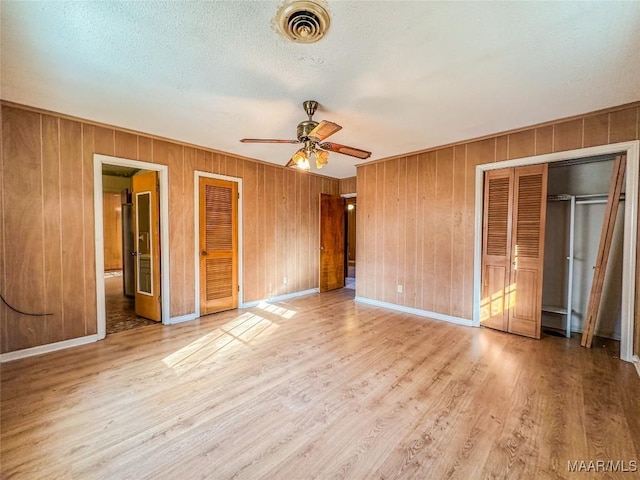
pixel 303 22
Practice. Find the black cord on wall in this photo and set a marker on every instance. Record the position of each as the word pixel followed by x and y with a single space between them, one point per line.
pixel 24 313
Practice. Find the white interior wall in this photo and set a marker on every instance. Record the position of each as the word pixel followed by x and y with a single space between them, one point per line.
pixel 581 179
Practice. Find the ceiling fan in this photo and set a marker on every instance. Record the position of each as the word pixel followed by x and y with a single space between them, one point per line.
pixel 312 134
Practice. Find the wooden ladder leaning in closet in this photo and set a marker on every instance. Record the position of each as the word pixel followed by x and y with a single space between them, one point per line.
pixel 604 247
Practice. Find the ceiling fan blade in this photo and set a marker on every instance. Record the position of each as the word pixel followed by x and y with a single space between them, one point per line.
pixel 324 130
pixel 267 140
pixel 345 150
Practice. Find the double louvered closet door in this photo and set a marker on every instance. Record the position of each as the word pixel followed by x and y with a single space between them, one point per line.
pixel 218 245
pixel 514 217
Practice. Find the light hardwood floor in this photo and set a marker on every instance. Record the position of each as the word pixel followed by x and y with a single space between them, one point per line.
pixel 318 387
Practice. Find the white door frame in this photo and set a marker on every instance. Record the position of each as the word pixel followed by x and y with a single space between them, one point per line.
pixel 632 149
pixel 163 177
pixel 196 194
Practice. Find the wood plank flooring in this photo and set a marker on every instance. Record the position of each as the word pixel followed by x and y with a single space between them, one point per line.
pixel 318 387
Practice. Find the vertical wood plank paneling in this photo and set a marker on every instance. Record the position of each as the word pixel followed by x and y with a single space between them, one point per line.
pixel 522 144
pixel 502 147
pixel 622 125
pixel 544 140
pixel 421 213
pixel 112 230
pixel 411 232
pixel 190 163
pixel 307 238
pixel 4 335
pixel 126 145
pixel 23 228
pixel 261 263
pixel 271 259
pixel 251 240
pixel 567 135
pixel 74 269
pixel 90 302
pixel 314 226
pixel 443 230
pixel 52 232
pixel 477 154
pixel 379 229
pixel 401 248
pixel 362 226
pixel 390 232
pixel 430 220
pixel 170 154
pixel 145 149
pixel 347 185
pixel 230 166
pixel 596 130
pixel 458 226
pixel 104 141
pixel 201 160
pixel 280 219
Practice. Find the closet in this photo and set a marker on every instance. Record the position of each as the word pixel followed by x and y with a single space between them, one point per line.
pixel 577 196
pixel 513 249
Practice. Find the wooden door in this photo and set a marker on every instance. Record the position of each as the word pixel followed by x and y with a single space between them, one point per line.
pixel 513 249
pixel 146 209
pixel 496 248
pixel 218 213
pixel 527 249
pixel 332 242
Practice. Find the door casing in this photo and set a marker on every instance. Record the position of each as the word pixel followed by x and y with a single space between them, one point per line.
pixel 196 182
pixel 165 274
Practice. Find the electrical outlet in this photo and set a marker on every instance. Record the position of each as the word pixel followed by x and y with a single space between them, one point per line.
pixel 399 288
pixel 285 280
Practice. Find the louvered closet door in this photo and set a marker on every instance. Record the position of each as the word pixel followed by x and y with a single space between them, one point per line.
pixel 218 245
pixel 527 251
pixel 513 249
pixel 496 249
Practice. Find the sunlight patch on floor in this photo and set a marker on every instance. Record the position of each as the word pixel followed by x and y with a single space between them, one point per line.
pixel 241 332
pixel 280 311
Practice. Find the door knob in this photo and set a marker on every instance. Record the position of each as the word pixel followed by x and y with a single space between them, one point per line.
pixel 134 254
pixel 203 253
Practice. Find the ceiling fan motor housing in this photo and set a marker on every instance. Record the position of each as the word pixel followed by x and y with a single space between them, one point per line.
pixel 304 128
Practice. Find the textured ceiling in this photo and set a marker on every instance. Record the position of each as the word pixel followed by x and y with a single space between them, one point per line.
pixel 398 76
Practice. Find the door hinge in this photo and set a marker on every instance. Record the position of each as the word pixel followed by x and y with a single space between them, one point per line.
pixel 238 288
pixel 159 298
pixel 238 195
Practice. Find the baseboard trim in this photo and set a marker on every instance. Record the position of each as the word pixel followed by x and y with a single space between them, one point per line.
pixel 50 347
pixel 416 311
pixel 636 362
pixel 182 318
pixel 279 298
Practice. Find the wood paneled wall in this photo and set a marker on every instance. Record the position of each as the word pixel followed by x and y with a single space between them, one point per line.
pixel 347 185
pixel 112 227
pixel 47 262
pixel 416 212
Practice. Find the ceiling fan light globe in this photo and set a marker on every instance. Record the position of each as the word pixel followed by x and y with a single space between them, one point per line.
pixel 300 157
pixel 322 157
pixel 304 165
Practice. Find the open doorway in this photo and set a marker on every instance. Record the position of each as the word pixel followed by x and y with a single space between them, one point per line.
pixel 131 225
pixel 122 258
pixel 350 246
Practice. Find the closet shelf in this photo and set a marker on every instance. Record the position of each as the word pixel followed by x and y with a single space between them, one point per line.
pixel 554 309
